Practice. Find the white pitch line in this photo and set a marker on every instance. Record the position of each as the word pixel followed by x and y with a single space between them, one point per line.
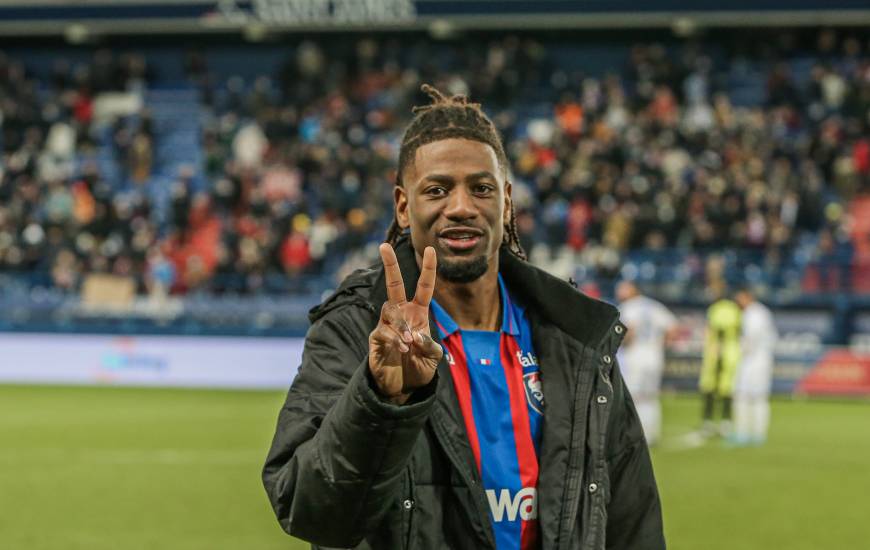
pixel 685 442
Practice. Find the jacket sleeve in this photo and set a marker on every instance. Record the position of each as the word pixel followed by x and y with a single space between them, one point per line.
pixel 339 450
pixel 634 514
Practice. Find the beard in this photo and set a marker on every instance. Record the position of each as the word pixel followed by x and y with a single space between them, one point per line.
pixel 463 271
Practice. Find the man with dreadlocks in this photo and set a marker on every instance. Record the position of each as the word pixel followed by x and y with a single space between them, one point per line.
pixel 482 410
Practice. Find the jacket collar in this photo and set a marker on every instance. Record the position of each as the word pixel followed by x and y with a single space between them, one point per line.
pixel 588 321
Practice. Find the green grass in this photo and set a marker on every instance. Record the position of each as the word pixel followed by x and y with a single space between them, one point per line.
pixel 116 468
pixel 807 488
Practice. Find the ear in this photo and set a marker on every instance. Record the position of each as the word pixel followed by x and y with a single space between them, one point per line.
pixel 400 197
pixel 507 202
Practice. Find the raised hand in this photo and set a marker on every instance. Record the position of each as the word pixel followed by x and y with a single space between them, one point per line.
pixel 402 354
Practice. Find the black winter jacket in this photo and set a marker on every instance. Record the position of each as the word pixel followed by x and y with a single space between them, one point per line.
pixel 349 470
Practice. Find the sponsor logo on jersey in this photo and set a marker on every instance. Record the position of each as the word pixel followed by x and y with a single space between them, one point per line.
pixel 506 507
pixel 534 391
pixel 527 359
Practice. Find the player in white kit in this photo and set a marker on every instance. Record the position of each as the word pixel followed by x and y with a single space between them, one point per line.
pixel 642 355
pixel 755 371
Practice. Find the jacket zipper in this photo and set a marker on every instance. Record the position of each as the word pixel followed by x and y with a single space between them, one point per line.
pixel 409 504
pixel 471 478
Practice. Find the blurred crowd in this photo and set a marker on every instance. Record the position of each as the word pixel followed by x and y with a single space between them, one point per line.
pixel 58 218
pixel 654 154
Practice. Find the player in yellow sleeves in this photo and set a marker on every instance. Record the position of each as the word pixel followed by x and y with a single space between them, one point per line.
pixel 720 360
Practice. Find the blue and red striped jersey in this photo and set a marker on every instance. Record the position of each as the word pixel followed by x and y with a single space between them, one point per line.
pixel 498 384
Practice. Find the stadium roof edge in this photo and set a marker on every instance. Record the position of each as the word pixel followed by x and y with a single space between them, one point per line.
pixel 104 25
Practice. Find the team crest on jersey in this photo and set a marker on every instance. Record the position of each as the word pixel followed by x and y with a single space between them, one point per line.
pixel 534 391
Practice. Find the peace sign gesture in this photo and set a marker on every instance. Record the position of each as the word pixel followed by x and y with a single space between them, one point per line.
pixel 402 354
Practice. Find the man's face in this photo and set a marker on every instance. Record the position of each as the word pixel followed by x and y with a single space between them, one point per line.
pixel 456 199
pixel 625 291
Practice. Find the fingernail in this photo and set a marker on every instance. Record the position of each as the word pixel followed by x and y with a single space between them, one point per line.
pixel 407 336
pixel 403 348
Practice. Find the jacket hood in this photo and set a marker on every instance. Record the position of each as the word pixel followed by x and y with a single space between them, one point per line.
pixel 585 319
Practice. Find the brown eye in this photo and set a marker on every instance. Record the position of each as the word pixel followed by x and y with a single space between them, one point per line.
pixel 436 191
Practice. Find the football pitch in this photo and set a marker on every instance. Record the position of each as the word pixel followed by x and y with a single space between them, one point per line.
pixel 119 468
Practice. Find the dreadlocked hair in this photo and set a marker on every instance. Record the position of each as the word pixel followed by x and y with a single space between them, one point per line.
pixel 446 118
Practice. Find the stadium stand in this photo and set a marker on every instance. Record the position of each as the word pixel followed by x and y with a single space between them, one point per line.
pixel 213 180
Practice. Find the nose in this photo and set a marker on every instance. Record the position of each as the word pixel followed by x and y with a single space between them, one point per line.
pixel 460 204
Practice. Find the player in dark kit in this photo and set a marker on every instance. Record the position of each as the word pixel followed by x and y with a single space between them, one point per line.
pixel 456 396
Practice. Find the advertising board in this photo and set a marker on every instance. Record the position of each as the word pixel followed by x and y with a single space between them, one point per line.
pixel 208 362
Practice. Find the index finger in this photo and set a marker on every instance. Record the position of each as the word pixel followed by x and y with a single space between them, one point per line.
pixel 426 283
pixel 395 285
